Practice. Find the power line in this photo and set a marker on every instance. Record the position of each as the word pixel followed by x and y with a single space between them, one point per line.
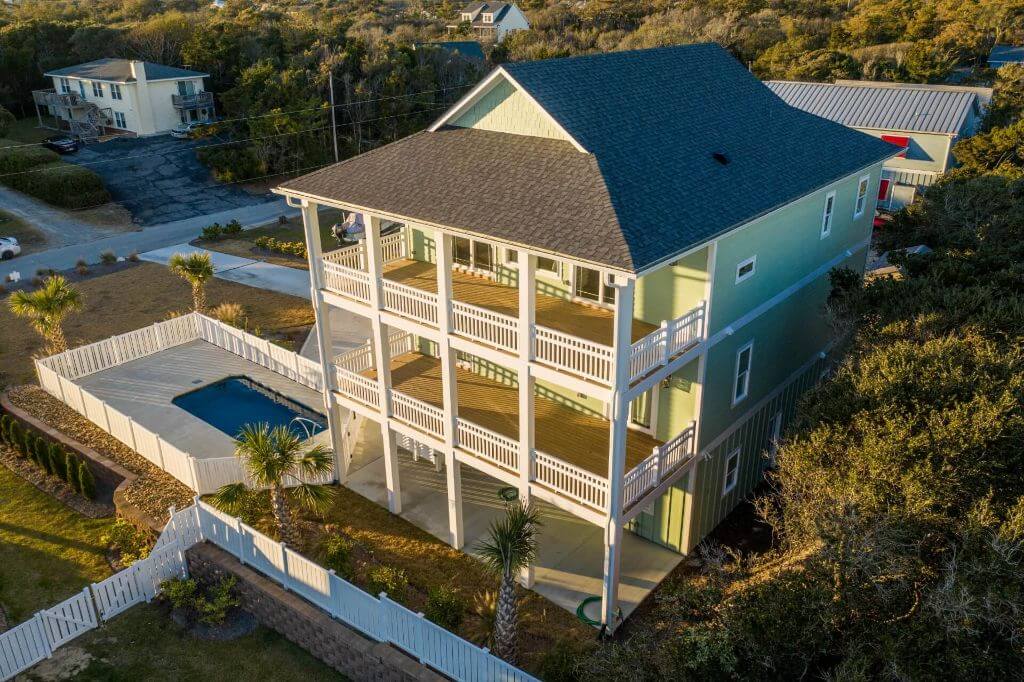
pixel 212 145
pixel 325 108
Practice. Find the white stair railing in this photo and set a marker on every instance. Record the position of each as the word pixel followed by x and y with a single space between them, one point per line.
pixel 670 339
pixel 665 458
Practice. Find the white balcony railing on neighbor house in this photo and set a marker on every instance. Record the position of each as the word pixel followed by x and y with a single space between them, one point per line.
pixel 570 480
pixel 485 326
pixel 673 337
pixel 649 473
pixel 488 445
pixel 418 414
pixel 571 353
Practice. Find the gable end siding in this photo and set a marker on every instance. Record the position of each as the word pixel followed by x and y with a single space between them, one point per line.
pixel 504 109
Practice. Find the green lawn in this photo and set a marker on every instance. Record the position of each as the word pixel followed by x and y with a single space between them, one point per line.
pixel 47 551
pixel 30 238
pixel 26 130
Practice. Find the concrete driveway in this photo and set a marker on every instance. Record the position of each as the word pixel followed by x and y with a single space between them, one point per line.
pixel 160 179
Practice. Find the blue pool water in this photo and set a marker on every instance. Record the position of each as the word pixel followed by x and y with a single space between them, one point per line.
pixel 231 403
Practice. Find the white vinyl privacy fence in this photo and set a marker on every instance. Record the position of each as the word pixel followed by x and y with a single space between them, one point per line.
pixel 376 617
pixel 57 375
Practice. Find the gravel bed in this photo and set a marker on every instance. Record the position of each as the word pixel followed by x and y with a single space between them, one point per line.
pixel 153 492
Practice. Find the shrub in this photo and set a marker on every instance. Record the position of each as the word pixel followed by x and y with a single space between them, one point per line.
pixel 219 599
pixel 71 466
pixel 61 184
pixel 86 482
pixel 388 579
pixel 5 426
pixel 445 607
pixel 82 269
pixel 16 438
pixel 232 163
pixel 130 542
pixel 212 232
pixel 19 159
pixel 28 440
pixel 233 227
pixel 133 256
pixel 561 663
pixel 108 257
pixel 337 552
pixel 179 592
pixel 58 461
pixel 278 246
pixel 41 453
pixel 229 313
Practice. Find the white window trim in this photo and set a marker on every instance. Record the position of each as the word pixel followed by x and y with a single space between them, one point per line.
pixel 728 487
pixel 736 400
pixel 865 181
pixel 115 91
pixel 65 86
pixel 120 120
pixel 752 261
pixel 827 214
pixel 555 275
pixel 97 89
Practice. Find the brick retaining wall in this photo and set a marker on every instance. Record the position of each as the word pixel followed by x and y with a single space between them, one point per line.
pixel 329 640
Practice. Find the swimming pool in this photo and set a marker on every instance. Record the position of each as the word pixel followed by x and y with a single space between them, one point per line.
pixel 231 403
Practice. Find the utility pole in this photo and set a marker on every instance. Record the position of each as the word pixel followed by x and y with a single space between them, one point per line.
pixel 330 89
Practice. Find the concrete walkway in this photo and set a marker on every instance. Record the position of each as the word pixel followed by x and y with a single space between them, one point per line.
pixel 60 227
pixel 148 239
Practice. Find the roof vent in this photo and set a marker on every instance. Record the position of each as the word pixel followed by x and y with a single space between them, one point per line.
pixel 720 158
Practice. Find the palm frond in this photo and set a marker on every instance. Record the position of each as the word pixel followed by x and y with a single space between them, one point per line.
pixel 315 498
pixel 231 497
pixel 193 267
pixel 511 542
pixel 317 461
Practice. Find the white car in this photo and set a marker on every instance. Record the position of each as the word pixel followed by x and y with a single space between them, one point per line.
pixel 9 248
pixel 183 131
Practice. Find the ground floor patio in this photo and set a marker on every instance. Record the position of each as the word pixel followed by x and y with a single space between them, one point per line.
pixel 571 551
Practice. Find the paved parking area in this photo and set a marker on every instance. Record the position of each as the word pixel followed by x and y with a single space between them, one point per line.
pixel 160 179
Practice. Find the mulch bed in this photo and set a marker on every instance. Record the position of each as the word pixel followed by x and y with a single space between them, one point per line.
pixel 53 486
pixel 153 492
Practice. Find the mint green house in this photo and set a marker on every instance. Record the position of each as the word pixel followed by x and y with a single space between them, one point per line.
pixel 599 282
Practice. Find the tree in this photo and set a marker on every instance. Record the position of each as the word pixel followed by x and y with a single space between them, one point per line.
pixel 46 308
pixel 197 270
pixel 510 547
pixel 6 121
pixel 270 455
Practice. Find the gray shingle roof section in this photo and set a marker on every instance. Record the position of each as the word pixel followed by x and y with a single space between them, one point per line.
pixel 1006 54
pixel 527 190
pixel 909 109
pixel 650 120
pixel 120 71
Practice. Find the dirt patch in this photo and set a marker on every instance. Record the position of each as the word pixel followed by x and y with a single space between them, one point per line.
pixel 53 486
pixel 67 663
pixel 112 215
pixel 153 492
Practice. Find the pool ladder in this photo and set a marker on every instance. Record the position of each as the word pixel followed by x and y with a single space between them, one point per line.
pixel 308 425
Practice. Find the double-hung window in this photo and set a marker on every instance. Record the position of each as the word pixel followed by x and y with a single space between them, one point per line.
pixel 81 88
pixel 119 120
pixel 862 197
pixel 97 89
pixel 732 472
pixel 65 86
pixel 826 215
pixel 741 386
pixel 115 91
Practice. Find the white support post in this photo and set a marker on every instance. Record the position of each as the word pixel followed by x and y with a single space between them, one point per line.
pixel 449 388
pixel 324 336
pixel 690 538
pixel 527 383
pixel 382 360
pixel 617 452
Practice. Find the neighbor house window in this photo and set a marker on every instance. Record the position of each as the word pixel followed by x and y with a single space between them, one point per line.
pixel 862 197
pixel 826 216
pixel 732 471
pixel 741 387
pixel 119 120
pixel 745 270
pixel 65 85
pixel 97 89
pixel 81 88
pixel 115 91
pixel 487 18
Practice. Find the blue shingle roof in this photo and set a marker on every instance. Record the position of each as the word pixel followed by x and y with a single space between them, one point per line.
pixel 654 118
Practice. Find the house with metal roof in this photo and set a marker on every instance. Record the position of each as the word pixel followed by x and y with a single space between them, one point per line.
pixel 1001 55
pixel 492 20
pixel 124 96
pixel 604 295
pixel 925 120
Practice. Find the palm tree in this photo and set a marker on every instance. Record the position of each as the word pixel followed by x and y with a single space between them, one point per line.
pixel 46 309
pixel 197 270
pixel 511 547
pixel 270 454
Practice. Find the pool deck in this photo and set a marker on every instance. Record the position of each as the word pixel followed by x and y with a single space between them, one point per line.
pixel 143 389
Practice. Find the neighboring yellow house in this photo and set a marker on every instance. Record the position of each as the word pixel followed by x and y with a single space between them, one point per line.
pixel 926 120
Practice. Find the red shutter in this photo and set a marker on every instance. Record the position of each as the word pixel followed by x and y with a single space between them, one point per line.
pixel 899 141
pixel 883 189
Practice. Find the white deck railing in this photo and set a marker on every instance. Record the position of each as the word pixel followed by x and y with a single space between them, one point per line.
pixel 410 302
pixel 486 326
pixel 649 473
pixel 394 247
pixel 353 257
pixel 488 445
pixel 661 345
pixel 417 413
pixel 347 281
pixel 570 480
pixel 579 356
pixel 360 358
pixel 356 386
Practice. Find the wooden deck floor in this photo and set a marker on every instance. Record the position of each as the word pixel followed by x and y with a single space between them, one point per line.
pixel 587 322
pixel 561 431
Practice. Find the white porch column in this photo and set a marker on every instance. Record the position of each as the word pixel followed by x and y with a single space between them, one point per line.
pixel 527 383
pixel 382 361
pixel 623 340
pixel 322 311
pixel 449 388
